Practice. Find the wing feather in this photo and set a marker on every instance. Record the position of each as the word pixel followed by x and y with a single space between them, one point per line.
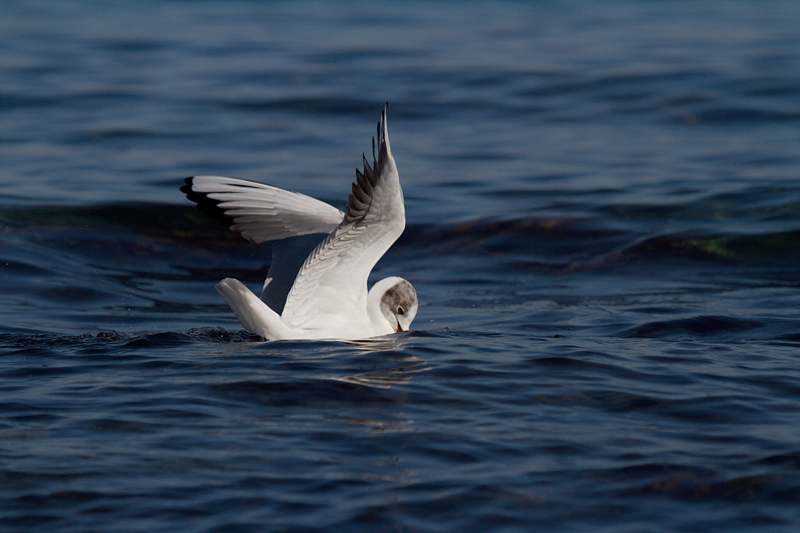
pixel 260 212
pixel 333 279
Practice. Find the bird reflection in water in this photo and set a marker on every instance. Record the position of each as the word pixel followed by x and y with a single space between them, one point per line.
pixel 388 349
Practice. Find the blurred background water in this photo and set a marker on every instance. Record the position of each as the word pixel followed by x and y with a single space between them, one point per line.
pixel 604 231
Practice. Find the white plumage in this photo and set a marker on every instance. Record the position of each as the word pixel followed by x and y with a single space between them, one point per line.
pixel 316 287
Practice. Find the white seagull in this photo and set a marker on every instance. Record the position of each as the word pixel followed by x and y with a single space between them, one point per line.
pixel 316 287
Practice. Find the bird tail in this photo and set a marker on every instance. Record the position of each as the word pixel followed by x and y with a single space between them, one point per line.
pixel 254 315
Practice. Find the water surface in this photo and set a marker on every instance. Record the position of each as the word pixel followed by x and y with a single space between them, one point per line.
pixel 604 231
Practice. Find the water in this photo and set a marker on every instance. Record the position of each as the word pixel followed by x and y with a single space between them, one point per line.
pixel 604 231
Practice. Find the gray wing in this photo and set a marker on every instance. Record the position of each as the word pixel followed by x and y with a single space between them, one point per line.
pixel 288 256
pixel 333 279
pixel 258 212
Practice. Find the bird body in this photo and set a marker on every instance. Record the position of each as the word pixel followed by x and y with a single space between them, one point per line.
pixel 321 293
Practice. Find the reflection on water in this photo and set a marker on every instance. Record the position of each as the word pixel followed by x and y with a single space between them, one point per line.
pixel 388 343
pixel 388 377
pixel 385 357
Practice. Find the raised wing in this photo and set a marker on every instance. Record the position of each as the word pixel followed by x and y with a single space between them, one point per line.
pixel 332 283
pixel 258 212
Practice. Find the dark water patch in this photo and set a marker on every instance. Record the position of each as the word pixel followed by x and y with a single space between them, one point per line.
pixel 44 343
pixel 75 294
pixel 738 207
pixel 776 249
pixel 312 106
pixel 23 269
pixel 14 101
pixel 350 55
pixel 703 410
pixel 686 486
pixel 160 340
pixel 554 241
pixel 478 156
pixel 25 413
pixel 700 326
pixel 771 88
pixel 612 83
pixel 625 402
pixel 132 46
pixel 120 426
pixel 124 134
pixel 786 461
pixel 567 245
pixel 220 335
pixel 314 393
pixel 686 100
pixel 153 220
pixel 589 364
pixel 790 337
pixel 737 116
pixel 110 344
pixel 39 371
pixel 775 385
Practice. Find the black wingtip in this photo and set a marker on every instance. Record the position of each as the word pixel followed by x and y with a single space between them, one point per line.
pixel 187 188
pixel 205 204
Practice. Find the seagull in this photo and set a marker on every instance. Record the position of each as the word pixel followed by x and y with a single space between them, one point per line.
pixel 316 286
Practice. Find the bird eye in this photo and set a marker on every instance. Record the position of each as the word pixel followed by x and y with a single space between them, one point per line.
pixel 400 310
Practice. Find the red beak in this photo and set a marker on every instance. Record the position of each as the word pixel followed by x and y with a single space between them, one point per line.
pixel 399 329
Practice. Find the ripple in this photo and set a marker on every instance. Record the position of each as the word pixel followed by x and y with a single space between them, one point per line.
pixel 702 326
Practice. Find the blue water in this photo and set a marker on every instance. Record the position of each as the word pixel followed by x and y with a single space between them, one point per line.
pixel 604 231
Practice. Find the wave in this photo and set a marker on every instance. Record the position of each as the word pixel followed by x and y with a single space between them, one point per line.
pixel 116 230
